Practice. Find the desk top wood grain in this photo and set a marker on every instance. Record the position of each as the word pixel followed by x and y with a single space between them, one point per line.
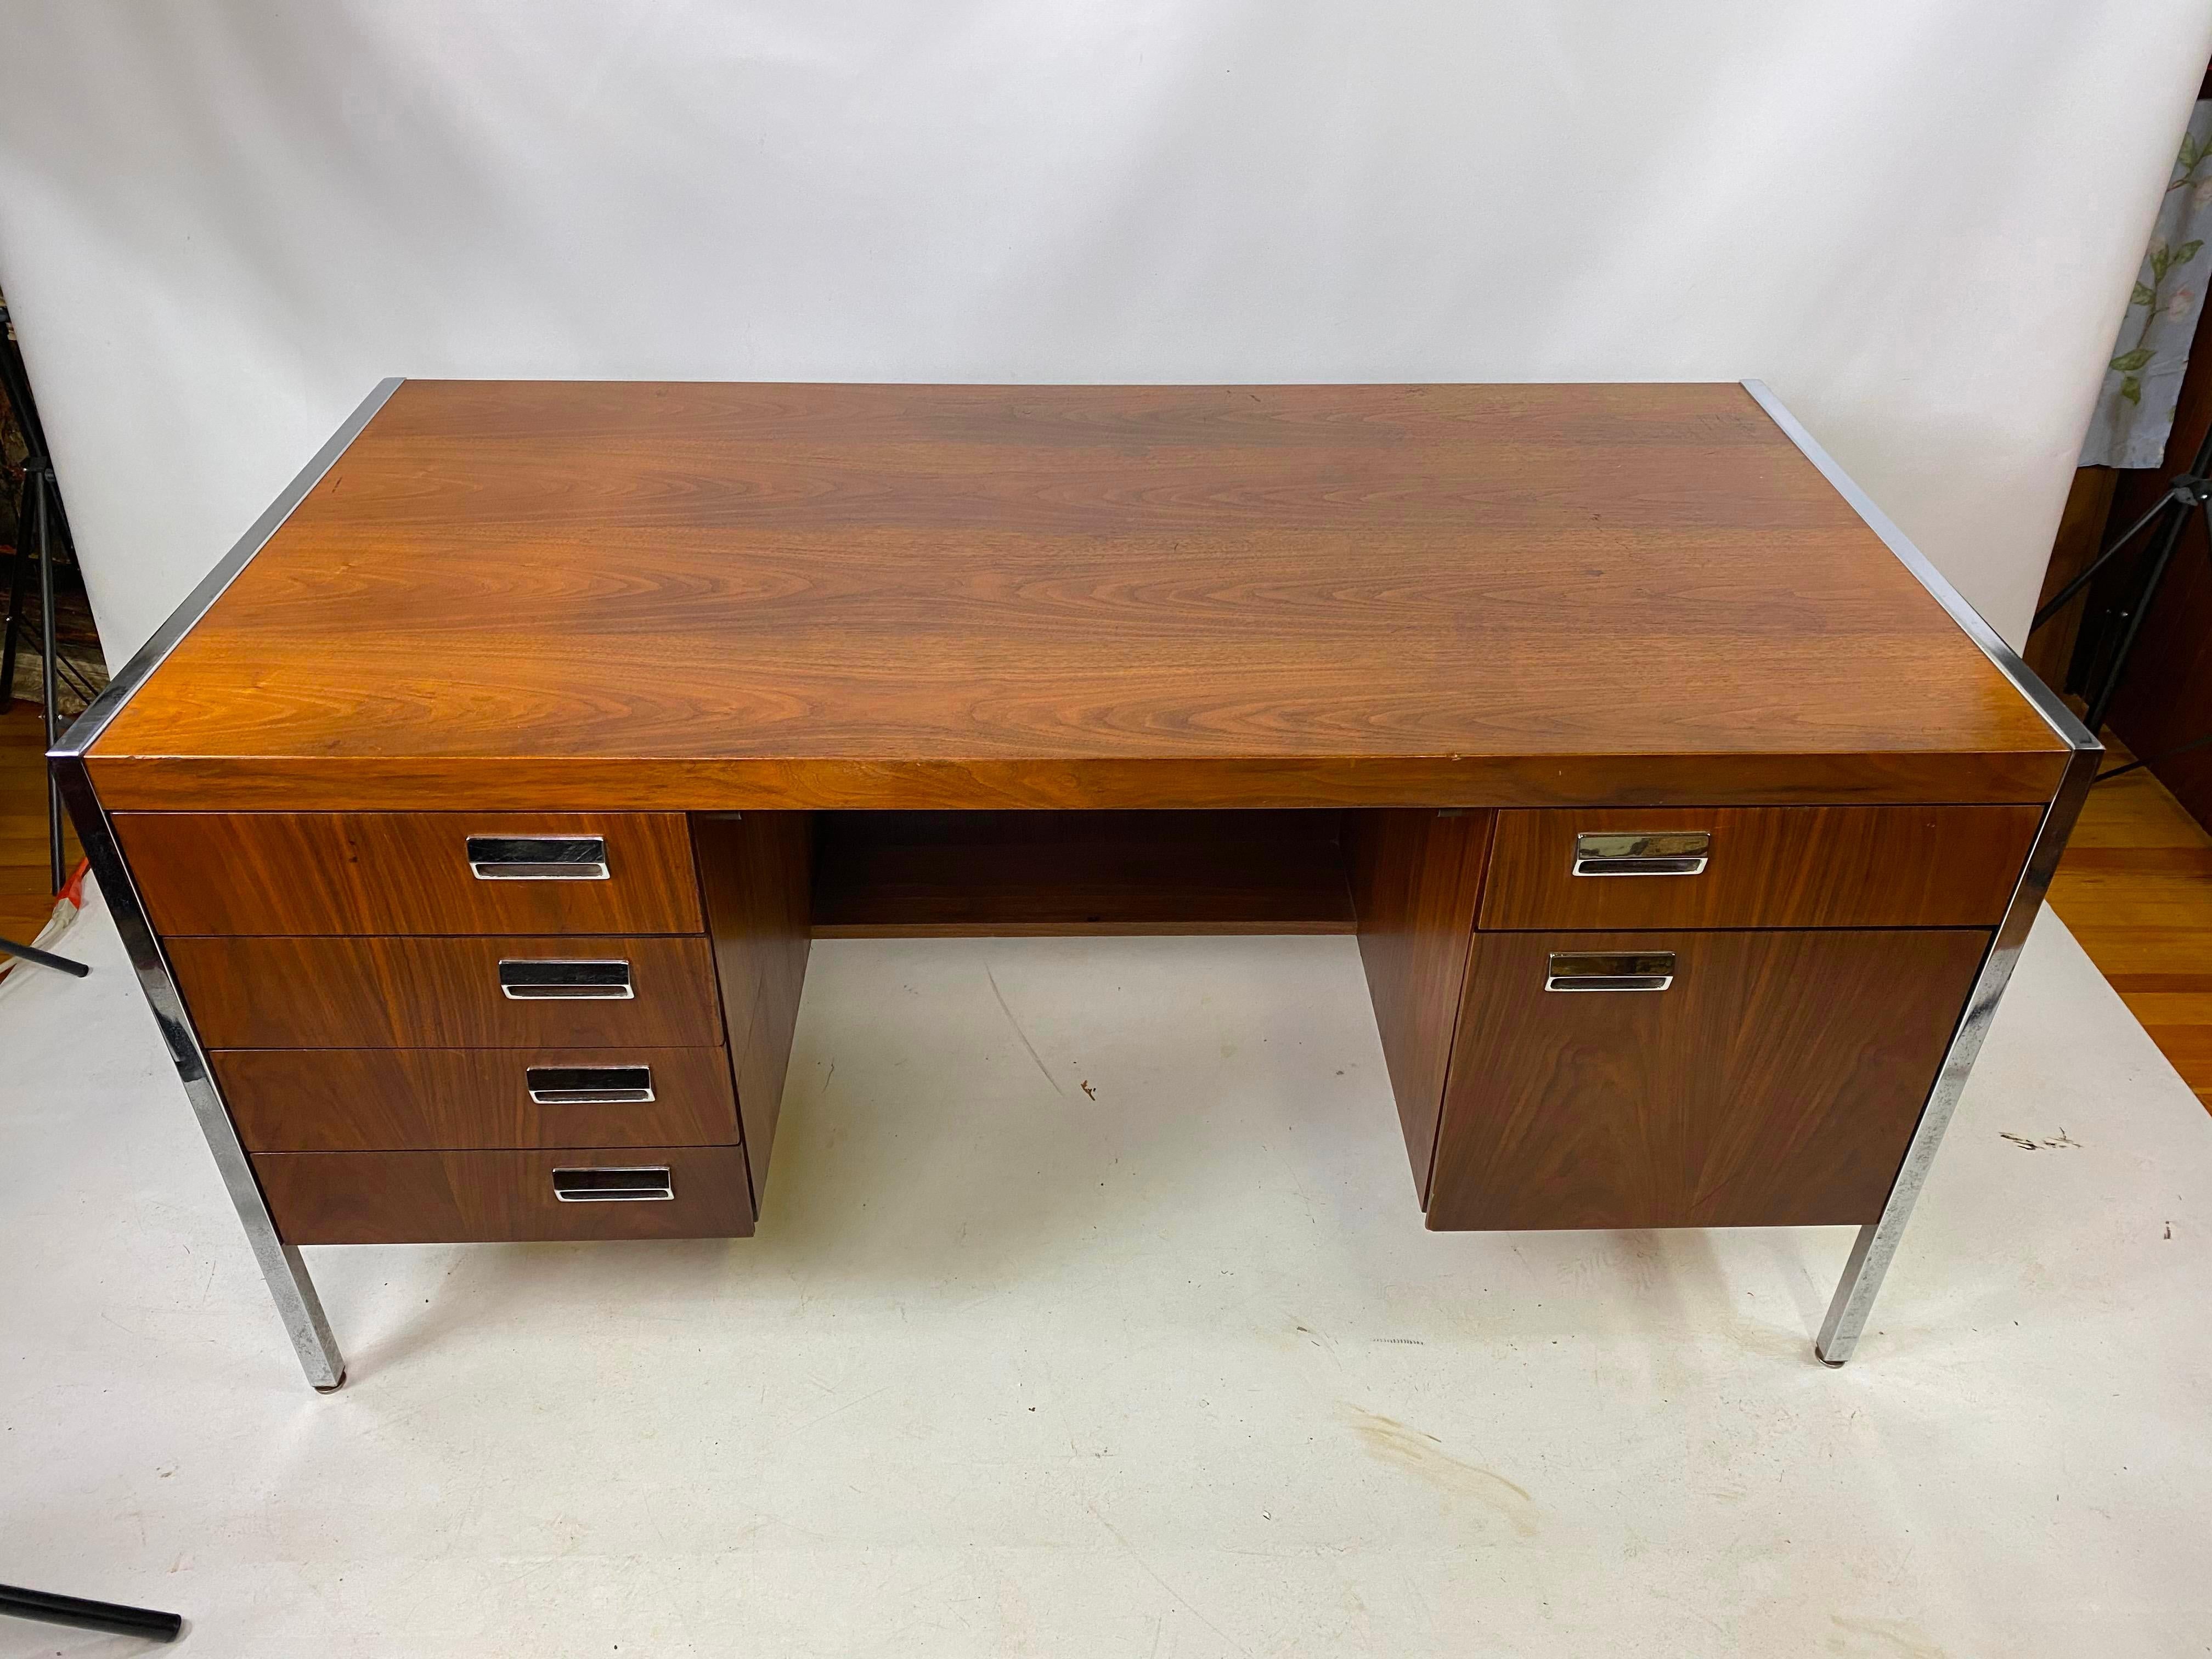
pixel 590 596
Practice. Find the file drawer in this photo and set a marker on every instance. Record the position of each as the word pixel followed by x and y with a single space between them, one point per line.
pixel 546 991
pixel 1765 866
pixel 1692 1078
pixel 483 1197
pixel 350 1100
pixel 413 873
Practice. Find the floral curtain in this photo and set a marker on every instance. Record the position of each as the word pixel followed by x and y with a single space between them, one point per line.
pixel 2134 410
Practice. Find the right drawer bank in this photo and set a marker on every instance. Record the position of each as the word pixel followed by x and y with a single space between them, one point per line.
pixel 1712 1017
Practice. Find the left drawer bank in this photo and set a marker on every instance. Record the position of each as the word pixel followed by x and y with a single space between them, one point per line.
pixel 449 1027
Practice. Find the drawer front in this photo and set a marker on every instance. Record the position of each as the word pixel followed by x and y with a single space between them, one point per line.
pixel 448 992
pixel 483 1197
pixel 1706 1079
pixel 413 873
pixel 1765 866
pixel 361 1100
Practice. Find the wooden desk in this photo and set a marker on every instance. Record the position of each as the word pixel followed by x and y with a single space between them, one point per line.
pixel 469 825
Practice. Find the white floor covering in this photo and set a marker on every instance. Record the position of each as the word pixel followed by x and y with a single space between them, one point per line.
pixel 1172 1370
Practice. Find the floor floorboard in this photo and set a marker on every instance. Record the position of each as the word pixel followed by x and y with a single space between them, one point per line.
pixel 2136 889
pixel 27 893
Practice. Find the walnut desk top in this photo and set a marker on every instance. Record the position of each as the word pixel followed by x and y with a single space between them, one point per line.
pixel 595 596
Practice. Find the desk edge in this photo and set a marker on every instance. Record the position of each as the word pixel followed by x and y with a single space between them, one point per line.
pixel 86 729
pixel 2024 680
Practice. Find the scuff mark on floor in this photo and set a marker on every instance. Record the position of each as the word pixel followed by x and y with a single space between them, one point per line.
pixel 1421 1454
pixel 1895 1635
pixel 1020 1033
pixel 1153 1573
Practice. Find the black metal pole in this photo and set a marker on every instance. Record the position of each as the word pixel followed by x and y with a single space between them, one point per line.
pixel 2162 556
pixel 15 381
pixel 49 649
pixel 8 947
pixel 15 384
pixel 2184 492
pixel 2111 550
pixel 19 582
pixel 80 1614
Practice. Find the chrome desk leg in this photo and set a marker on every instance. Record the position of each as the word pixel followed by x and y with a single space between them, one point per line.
pixel 1877 1241
pixel 280 1263
pixel 296 1302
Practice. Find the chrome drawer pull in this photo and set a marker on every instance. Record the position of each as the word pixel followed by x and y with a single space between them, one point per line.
pixel 1610 970
pixel 538 857
pixel 564 980
pixel 589 1085
pixel 636 1185
pixel 1664 853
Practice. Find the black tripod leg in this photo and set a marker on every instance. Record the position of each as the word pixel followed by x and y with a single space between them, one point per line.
pixel 80 1614
pixel 8 947
pixel 2175 494
pixel 50 645
pixel 2060 600
pixel 18 584
pixel 2162 556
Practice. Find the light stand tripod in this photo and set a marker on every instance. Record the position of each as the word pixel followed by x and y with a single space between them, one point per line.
pixel 2186 493
pixel 40 513
pixel 41 498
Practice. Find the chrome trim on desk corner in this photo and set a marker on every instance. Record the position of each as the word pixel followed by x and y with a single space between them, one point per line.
pixel 1876 1244
pixel 2056 714
pixel 281 1264
pixel 85 730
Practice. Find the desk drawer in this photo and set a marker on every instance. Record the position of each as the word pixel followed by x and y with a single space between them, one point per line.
pixel 471 1197
pixel 357 1100
pixel 1699 1080
pixel 1765 866
pixel 449 993
pixel 413 873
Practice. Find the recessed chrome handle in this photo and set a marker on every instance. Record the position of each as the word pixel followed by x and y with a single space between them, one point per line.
pixel 1610 970
pixel 589 1085
pixel 538 857
pixel 565 980
pixel 637 1184
pixel 1661 853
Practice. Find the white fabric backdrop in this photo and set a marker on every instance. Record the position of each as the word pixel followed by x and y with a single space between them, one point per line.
pixel 221 220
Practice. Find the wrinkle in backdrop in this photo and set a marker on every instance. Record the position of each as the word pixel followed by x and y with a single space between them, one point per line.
pixel 221 223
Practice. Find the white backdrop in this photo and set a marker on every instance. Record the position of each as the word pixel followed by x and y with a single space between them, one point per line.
pixel 222 221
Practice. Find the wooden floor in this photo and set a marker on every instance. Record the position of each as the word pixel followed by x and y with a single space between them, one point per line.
pixel 27 897
pixel 2135 888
